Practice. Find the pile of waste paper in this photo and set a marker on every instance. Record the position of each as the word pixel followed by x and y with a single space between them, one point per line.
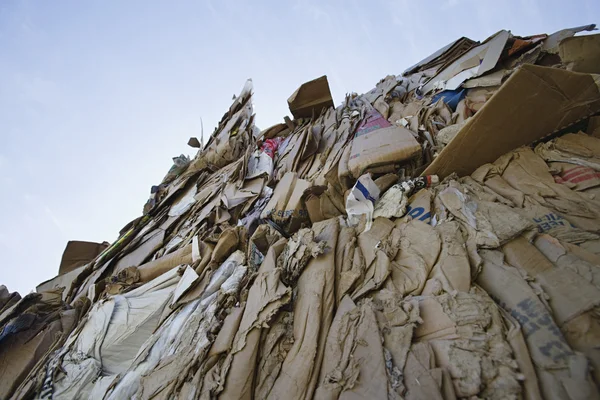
pixel 435 238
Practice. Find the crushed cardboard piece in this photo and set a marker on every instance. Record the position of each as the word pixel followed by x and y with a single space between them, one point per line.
pixel 311 98
pixel 562 97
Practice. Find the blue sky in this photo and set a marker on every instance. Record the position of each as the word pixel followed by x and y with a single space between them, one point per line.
pixel 97 96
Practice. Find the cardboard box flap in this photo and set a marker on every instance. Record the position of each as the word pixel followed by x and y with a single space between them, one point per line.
pixel 443 56
pixel 310 96
pixel 78 253
pixel 534 102
pixel 581 53
pixel 473 63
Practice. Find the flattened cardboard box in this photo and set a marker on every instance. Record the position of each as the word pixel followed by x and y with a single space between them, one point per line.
pixel 377 143
pixel 534 102
pixel 312 96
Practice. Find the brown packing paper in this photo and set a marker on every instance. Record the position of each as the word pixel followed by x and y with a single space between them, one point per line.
pixel 570 293
pixel 573 148
pixel 421 376
pixel 321 203
pixel 377 263
pixel 276 342
pixel 582 331
pixel 266 296
pixel 313 313
pixel 419 249
pixel 397 320
pixel 572 257
pixel 149 244
pixel 338 369
pixel 452 271
pixel 550 352
pixel 353 367
pixel 515 337
pixel 286 206
pixel 460 328
pixel 511 118
pixel 527 172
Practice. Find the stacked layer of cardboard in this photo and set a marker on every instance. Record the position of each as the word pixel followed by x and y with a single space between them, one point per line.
pixel 310 260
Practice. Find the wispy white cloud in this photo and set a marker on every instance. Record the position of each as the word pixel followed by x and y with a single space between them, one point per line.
pixel 54 219
pixel 38 204
pixel 447 4
pixel 315 10
pixel 38 90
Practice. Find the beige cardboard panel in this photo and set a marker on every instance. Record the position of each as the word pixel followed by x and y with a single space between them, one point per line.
pixel 78 253
pixel 378 143
pixel 311 97
pixel 593 128
pixel 581 53
pixel 534 102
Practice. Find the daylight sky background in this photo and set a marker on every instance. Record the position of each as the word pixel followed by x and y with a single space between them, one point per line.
pixel 97 96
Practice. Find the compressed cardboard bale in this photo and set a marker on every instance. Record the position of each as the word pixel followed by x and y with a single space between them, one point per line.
pixel 267 330
pixel 527 172
pixel 466 333
pixel 573 148
pixel 557 366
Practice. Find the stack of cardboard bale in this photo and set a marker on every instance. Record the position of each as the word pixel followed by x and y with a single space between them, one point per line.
pixel 437 237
